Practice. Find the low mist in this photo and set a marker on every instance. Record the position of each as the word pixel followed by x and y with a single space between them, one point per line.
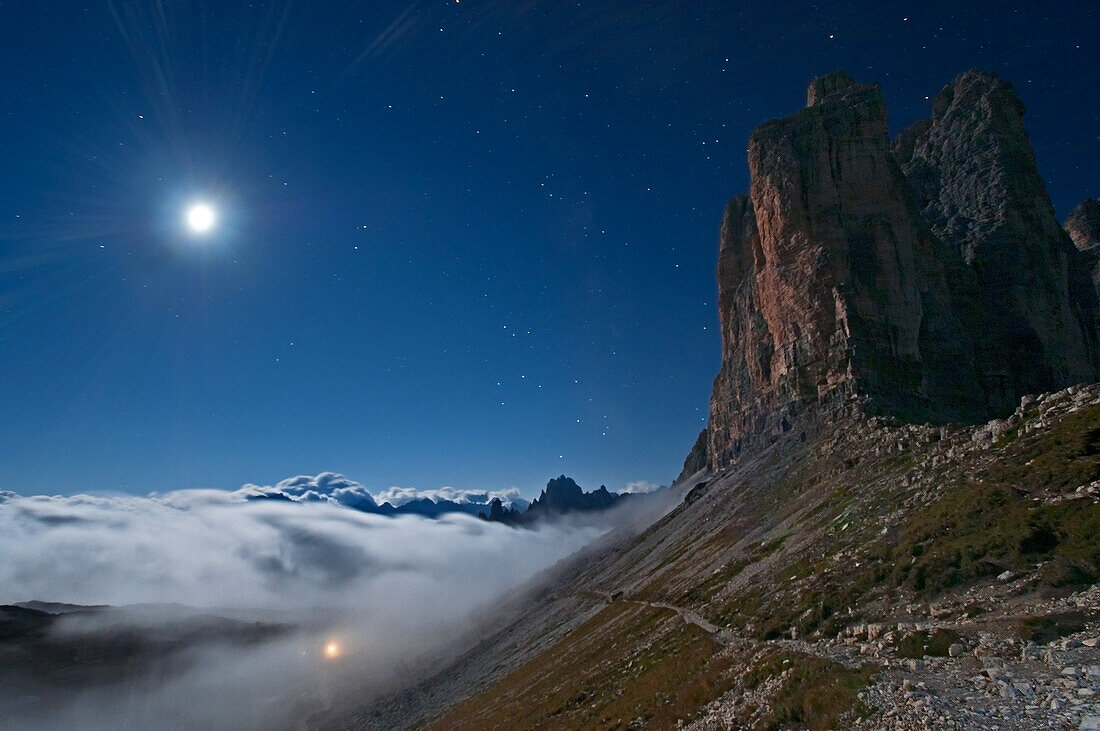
pixel 255 614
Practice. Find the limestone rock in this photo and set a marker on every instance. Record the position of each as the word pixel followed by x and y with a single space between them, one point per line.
pixel 696 459
pixel 924 279
pixel 563 495
pixel 829 287
pixel 1083 227
pixel 1027 310
pixel 824 86
pixel 1083 224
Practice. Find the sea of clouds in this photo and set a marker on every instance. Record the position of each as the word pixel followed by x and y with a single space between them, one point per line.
pixel 395 591
pixel 335 488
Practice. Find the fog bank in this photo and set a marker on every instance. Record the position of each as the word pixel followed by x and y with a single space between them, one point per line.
pixel 388 593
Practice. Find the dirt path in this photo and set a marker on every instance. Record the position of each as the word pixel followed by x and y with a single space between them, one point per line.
pixel 721 635
pixel 685 614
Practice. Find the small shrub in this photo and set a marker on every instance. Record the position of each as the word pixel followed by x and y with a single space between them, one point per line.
pixel 916 645
pixel 817 693
pixel 1043 630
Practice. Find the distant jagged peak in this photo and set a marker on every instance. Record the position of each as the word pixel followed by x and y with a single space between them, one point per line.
pixel 562 494
pixel 561 489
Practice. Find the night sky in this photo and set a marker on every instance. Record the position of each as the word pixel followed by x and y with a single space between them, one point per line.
pixel 458 243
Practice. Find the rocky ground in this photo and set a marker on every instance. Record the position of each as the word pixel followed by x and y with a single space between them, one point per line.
pixel 866 575
pixel 984 674
pixel 836 562
pixel 985 680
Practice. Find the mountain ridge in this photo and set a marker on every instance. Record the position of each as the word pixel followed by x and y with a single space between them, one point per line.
pixel 892 518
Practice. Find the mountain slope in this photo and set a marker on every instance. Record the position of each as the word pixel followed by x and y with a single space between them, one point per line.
pixel 757 592
pixel 880 527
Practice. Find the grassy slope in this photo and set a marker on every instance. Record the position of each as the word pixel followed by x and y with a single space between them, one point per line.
pixel 812 535
pixel 630 661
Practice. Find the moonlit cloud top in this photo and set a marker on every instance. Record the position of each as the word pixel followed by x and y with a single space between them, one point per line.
pixel 218 548
pixel 327 487
pixel 641 486
pixel 331 487
pixel 387 589
pixel 398 496
pixel 306 539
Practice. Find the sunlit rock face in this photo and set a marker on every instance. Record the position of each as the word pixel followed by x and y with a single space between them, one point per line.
pixel 829 288
pixel 924 278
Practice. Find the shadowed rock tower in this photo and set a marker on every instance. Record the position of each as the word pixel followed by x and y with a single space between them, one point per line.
pixel 924 278
pixel 1083 227
pixel 1027 307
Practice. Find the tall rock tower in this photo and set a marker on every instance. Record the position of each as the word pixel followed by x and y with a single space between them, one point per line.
pixel 979 188
pixel 924 278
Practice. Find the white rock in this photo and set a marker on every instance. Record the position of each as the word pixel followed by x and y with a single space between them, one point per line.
pixel 1089 723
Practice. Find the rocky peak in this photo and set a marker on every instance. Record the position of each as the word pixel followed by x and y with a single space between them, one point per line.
pixel 1016 291
pixel 498 513
pixel 1083 224
pixel 561 491
pixel 972 162
pixel 827 284
pixel 925 279
pixel 563 495
pixel 827 85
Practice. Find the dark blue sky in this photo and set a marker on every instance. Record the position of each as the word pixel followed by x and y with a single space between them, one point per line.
pixel 460 243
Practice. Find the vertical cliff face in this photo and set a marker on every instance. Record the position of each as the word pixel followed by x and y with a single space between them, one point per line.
pixel 836 278
pixel 829 288
pixel 1083 227
pixel 978 186
pixel 1083 224
pixel 924 278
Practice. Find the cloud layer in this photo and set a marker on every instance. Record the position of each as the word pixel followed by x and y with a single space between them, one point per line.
pixel 398 496
pixel 392 588
pixel 640 487
pixel 330 487
pixel 212 548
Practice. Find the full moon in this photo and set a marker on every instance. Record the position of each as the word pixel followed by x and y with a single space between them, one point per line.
pixel 200 218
